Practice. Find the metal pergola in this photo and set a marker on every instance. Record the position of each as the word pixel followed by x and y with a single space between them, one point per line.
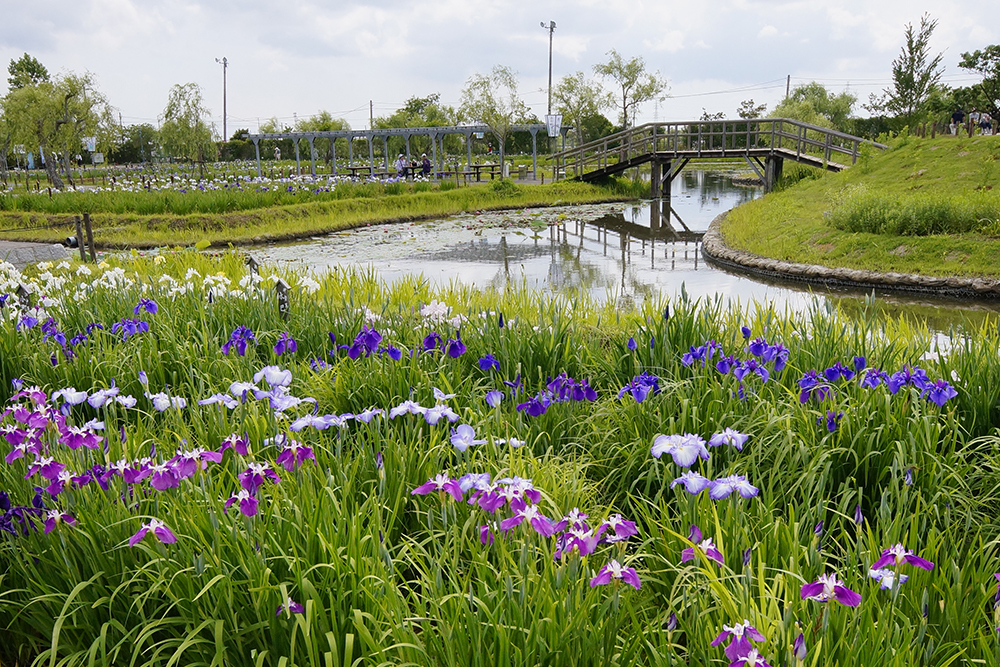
pixel 436 134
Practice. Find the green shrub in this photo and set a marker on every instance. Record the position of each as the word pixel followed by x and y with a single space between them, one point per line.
pixel 447 185
pixel 503 187
pixel 861 209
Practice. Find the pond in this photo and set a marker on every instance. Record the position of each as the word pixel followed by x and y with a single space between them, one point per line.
pixel 623 251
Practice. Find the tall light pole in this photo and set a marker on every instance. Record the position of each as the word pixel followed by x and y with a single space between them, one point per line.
pixel 225 63
pixel 551 27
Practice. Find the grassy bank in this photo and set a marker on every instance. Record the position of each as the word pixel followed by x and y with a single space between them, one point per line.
pixel 925 206
pixel 335 555
pixel 129 230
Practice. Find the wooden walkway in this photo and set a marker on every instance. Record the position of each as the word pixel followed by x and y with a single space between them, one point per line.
pixel 763 142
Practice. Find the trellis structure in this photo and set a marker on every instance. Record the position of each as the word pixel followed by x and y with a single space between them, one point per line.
pixel 436 134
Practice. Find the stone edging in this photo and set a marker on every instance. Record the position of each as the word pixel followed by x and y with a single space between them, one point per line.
pixel 715 249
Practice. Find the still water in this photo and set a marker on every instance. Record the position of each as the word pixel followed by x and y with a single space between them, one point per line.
pixel 619 251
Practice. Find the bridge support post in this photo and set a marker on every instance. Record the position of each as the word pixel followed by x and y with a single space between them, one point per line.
pixel 772 171
pixel 660 178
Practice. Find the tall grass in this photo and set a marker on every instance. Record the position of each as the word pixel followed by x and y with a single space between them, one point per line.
pixel 863 209
pixel 387 577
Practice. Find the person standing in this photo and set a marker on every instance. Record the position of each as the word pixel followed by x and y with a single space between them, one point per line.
pixel 957 118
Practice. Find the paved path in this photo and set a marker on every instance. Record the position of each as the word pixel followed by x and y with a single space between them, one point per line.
pixel 20 254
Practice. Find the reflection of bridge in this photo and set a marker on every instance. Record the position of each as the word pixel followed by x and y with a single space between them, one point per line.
pixel 764 143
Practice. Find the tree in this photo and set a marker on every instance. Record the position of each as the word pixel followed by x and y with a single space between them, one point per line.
pixel 812 103
pixel 636 85
pixel 185 131
pixel 136 145
pixel 493 101
pixel 578 98
pixel 26 71
pixel 986 63
pixel 915 75
pixel 323 122
pixel 420 112
pixel 56 116
pixel 748 109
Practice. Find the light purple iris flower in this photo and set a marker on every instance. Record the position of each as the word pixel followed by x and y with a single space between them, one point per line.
pixel 728 437
pixel 275 376
pixel 248 504
pixel 102 396
pixel 582 540
pixel 692 481
pixel 70 395
pixel 441 483
pixel 159 529
pixel 828 587
pixel 55 517
pixel 702 545
pixel 440 411
pixel 622 528
pixel 684 449
pixel 740 636
pixel 494 398
pixel 615 571
pixel 464 437
pixel 368 415
pixel 474 480
pixel 224 399
pixel 406 407
pixel 723 487
pixel 897 555
pixel 799 647
pixel 887 578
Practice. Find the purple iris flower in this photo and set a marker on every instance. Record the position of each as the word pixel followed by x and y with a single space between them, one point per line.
pixel 582 540
pixel 726 364
pixel 641 386
pixel 294 454
pixel 632 345
pixel 672 622
pixel 897 554
pixel 432 341
pixel 455 346
pixel 692 481
pixel 860 363
pixel 285 344
pixel 159 529
pixel 536 405
pixel 728 437
pixel 813 386
pixel 684 449
pixel 724 487
pixel 757 347
pixel 799 647
pixel 739 637
pixel 488 362
pixel 248 504
pixel 702 546
pixel 541 523
pixel 55 517
pixel 873 377
pixel 442 484
pixel 622 528
pixel 407 407
pixel 291 606
pixel 240 338
pixel 693 354
pixel 832 420
pixel 838 372
pixel 253 477
pixel 751 659
pixel 494 398
pixel 366 342
pixel 745 331
pixel 129 327
pixel 615 571
pixel 368 415
pixel 916 377
pixel 859 518
pixel 237 442
pixel 751 366
pixel 224 399
pixel 828 587
pixel 939 392
pixel 275 376
pixel 145 304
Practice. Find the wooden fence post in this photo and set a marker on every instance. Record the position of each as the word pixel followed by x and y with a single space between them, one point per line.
pixel 90 237
pixel 79 239
pixel 284 305
pixel 23 296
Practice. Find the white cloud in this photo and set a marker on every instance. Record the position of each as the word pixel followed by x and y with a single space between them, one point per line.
pixel 767 31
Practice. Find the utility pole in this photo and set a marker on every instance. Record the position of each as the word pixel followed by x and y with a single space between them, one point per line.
pixel 551 27
pixel 225 63
pixel 788 86
pixel 371 115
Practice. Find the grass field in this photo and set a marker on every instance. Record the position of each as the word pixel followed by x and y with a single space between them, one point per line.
pixel 925 206
pixel 194 519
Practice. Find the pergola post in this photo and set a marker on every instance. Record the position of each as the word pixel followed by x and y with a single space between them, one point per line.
pixel 312 155
pixel 371 154
pixel 333 156
pixel 256 148
pixel 298 167
pixel 434 150
pixel 350 150
pixel 407 137
pixel 385 150
pixel 534 153
pixel 468 148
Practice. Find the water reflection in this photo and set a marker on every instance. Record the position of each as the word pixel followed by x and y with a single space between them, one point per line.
pixel 628 252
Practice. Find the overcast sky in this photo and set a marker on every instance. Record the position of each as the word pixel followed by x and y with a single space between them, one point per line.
pixel 295 57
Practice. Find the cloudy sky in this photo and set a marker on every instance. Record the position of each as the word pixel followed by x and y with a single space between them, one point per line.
pixel 293 58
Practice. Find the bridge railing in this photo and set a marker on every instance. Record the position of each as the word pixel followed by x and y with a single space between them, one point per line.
pixel 716 138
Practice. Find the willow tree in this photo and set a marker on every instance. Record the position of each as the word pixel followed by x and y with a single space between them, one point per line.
pixel 56 116
pixel 492 100
pixel 634 85
pixel 185 131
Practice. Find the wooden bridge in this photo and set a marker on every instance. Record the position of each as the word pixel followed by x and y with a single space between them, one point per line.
pixel 763 142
